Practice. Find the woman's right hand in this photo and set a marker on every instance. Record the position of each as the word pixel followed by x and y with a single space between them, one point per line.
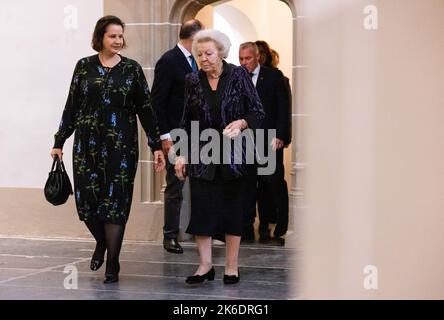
pixel 58 152
pixel 180 168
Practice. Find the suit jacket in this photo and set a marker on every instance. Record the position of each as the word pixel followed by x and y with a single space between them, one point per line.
pixel 275 94
pixel 168 88
pixel 290 111
pixel 239 100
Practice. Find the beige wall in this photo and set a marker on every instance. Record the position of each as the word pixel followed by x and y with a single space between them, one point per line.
pixel 374 143
pixel 206 15
pixel 44 40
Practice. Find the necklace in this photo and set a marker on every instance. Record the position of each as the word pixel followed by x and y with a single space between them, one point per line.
pixel 111 63
pixel 215 77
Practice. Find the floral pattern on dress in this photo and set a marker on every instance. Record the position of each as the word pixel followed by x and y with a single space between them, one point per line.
pixel 101 111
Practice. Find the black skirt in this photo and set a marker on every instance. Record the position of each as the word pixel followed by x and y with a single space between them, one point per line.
pixel 217 206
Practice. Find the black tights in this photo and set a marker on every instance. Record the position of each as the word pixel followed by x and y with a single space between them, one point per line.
pixel 109 238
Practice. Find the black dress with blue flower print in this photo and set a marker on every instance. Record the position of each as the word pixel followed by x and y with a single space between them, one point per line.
pixel 102 109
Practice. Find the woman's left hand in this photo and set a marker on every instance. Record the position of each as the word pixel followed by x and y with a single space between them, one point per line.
pixel 159 161
pixel 234 128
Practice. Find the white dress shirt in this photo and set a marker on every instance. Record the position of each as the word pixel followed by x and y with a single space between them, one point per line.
pixel 256 74
pixel 186 53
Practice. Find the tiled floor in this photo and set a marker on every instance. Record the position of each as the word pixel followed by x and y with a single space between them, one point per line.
pixel 33 268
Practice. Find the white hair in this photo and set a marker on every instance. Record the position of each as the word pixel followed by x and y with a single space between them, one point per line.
pixel 223 44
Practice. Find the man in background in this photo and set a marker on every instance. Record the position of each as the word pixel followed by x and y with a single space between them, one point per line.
pixel 168 100
pixel 273 92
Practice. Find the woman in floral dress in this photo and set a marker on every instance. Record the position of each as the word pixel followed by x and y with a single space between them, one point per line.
pixel 107 92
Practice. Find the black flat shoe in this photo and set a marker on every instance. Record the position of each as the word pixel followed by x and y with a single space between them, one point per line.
pixel 110 278
pixel 231 279
pixel 96 264
pixel 201 278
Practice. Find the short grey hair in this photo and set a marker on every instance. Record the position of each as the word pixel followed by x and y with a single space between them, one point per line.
pixel 249 45
pixel 223 44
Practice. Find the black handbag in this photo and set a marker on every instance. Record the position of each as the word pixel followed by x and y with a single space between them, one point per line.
pixel 58 187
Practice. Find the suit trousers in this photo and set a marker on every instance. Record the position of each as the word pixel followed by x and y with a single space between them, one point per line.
pixel 172 203
pixel 273 199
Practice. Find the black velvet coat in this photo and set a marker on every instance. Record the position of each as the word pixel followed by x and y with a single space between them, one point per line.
pixel 239 100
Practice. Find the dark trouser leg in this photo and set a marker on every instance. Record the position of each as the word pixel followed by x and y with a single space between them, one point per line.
pixel 282 203
pixel 264 205
pixel 97 229
pixel 280 198
pixel 273 199
pixel 250 207
pixel 173 202
pixel 114 238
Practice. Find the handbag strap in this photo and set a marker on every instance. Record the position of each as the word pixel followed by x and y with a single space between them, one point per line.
pixel 58 164
pixel 62 166
pixel 54 161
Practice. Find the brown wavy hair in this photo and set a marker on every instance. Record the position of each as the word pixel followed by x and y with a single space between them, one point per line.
pixel 100 30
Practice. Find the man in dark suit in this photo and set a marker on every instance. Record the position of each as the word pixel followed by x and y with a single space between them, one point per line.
pixel 168 100
pixel 272 190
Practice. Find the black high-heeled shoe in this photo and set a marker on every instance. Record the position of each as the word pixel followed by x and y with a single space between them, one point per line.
pixel 97 259
pixel 201 278
pixel 96 263
pixel 232 279
pixel 112 277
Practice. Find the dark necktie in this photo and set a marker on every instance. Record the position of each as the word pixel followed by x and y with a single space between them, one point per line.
pixel 251 74
pixel 193 64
